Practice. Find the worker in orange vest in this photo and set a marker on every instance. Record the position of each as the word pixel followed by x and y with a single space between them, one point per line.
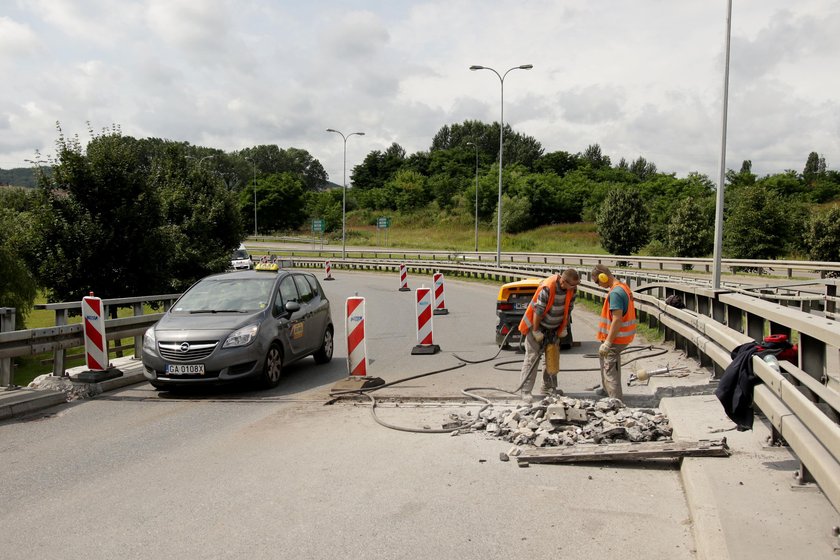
pixel 544 323
pixel 616 329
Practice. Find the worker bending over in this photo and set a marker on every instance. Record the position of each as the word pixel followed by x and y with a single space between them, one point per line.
pixel 616 329
pixel 544 323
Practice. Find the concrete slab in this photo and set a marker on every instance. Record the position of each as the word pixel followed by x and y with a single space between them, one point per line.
pixel 748 505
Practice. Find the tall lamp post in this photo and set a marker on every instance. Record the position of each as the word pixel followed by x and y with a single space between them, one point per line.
pixel 201 160
pixel 344 193
pixel 718 250
pixel 473 144
pixel 252 160
pixel 501 140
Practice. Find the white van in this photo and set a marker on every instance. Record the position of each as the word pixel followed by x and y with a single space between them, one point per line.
pixel 240 259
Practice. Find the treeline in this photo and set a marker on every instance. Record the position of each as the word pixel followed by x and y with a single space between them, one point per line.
pixel 126 216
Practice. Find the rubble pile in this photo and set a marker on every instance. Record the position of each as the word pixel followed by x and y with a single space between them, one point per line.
pixel 72 390
pixel 557 421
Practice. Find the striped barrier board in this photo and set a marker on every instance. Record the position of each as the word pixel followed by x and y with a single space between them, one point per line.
pixel 423 304
pixel 96 345
pixel 355 328
pixel 404 279
pixel 440 304
pixel 328 270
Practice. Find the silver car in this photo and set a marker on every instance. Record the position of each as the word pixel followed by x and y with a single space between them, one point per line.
pixel 239 325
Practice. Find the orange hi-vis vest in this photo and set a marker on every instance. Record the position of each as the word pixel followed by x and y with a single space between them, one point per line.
pixel 527 321
pixel 628 321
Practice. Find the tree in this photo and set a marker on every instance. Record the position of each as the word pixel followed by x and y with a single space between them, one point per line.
pixel 325 205
pixel 757 225
pixel 18 287
pixel 378 168
pixel 592 155
pixel 622 222
pixel 125 217
pixel 559 162
pixel 280 202
pixel 814 169
pixel 822 235
pixel 689 230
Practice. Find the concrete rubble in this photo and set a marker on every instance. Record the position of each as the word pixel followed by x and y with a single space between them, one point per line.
pixel 71 389
pixel 559 421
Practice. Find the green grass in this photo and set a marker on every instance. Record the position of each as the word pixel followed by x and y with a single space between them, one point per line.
pixel 651 335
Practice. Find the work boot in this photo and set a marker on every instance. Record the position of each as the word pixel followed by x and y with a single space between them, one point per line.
pixel 600 393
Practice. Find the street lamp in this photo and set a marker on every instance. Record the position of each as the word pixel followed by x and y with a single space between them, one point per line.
pixel 718 249
pixel 501 140
pixel 344 194
pixel 255 192
pixel 476 193
pixel 201 160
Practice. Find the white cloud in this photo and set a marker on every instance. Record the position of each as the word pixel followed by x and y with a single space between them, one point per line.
pixel 641 78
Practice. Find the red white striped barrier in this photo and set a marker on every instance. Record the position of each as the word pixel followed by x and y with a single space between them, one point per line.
pixel 404 279
pixel 425 343
pixel 328 270
pixel 96 345
pixel 440 305
pixel 355 328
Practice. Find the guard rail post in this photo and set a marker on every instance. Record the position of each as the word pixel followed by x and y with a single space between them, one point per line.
pixel 138 340
pixel 7 323
pixel 59 353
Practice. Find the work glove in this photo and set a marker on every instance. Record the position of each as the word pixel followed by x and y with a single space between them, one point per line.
pixel 538 336
pixel 604 348
pixel 564 333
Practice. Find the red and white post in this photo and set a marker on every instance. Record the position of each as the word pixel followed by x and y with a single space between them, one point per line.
pixel 328 270
pixel 355 328
pixel 425 343
pixel 440 304
pixel 404 279
pixel 96 345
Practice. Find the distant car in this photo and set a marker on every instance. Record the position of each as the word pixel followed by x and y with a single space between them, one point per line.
pixel 511 303
pixel 239 325
pixel 240 259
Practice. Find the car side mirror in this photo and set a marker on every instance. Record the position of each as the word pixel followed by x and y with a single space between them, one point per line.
pixel 292 306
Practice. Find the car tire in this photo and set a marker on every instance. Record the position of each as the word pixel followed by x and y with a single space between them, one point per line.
pixel 273 369
pixel 325 352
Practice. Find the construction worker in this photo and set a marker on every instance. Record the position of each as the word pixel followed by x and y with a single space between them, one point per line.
pixel 616 329
pixel 544 323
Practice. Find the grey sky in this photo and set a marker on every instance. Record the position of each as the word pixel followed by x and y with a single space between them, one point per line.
pixel 640 77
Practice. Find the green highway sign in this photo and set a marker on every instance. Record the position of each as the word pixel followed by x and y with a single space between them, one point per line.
pixel 383 222
pixel 318 226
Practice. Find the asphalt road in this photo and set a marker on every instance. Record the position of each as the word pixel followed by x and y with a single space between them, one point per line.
pixel 276 474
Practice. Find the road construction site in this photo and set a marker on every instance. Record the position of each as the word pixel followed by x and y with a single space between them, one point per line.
pixel 300 472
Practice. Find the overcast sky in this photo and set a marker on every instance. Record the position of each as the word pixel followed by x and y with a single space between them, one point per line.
pixel 638 77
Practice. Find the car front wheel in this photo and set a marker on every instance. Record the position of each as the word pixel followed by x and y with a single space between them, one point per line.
pixel 273 369
pixel 325 352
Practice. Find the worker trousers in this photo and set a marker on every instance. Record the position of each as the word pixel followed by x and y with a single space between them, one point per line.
pixel 528 375
pixel 611 371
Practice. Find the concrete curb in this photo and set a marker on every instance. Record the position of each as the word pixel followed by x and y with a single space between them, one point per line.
pixel 19 402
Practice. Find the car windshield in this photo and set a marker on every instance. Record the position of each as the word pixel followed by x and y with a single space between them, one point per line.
pixel 226 295
pixel 239 255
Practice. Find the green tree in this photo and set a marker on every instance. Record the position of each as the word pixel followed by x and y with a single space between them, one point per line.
pixel 622 222
pixel 280 202
pixel 18 287
pixel 378 168
pixel 814 169
pixel 325 205
pixel 689 230
pixel 757 225
pixel 822 235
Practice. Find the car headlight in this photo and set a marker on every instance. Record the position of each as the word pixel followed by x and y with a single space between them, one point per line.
pixel 241 337
pixel 149 338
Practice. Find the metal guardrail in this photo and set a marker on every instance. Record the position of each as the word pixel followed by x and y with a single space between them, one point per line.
pixel 788 267
pixel 61 337
pixel 802 402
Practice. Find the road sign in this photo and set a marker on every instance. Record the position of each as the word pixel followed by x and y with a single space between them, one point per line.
pixel 383 222
pixel 318 226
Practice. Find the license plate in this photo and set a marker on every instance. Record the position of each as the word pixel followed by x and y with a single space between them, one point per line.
pixel 185 369
pixel 520 305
